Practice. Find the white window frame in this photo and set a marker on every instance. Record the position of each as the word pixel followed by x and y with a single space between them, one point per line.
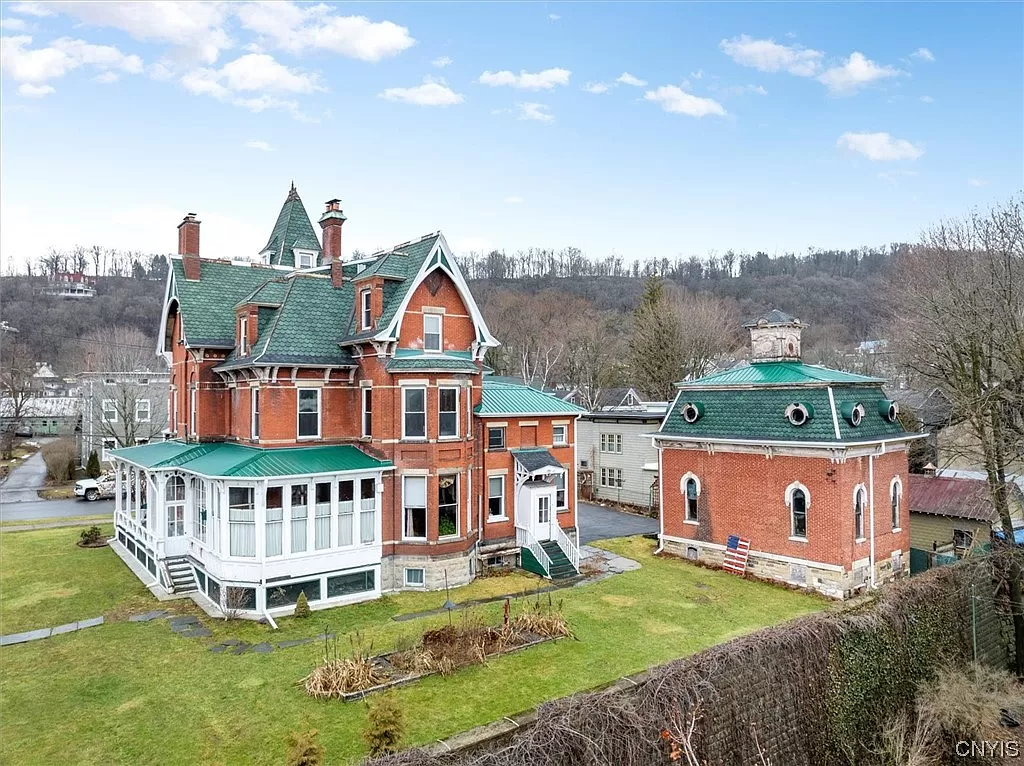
pixel 611 443
pixel 306 259
pixel 254 414
pixel 859 492
pixel 555 440
pixel 193 408
pixel 366 397
pixel 405 435
pixel 439 333
pixel 503 516
pixel 426 504
pixel 243 335
pixel 456 391
pixel 366 308
pixel 458 506
pixel 896 489
pixel 112 410
pixel 790 490
pixel 148 408
pixel 423 577
pixel 611 477
pixel 319 413
pixel 564 476
pixel 683 482
pixel 503 443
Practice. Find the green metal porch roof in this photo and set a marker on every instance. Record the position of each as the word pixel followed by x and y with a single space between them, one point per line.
pixel 235 460
pixel 501 398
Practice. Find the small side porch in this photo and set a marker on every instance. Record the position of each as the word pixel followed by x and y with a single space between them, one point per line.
pixel 540 486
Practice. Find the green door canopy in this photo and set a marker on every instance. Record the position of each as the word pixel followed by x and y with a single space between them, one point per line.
pixel 222 459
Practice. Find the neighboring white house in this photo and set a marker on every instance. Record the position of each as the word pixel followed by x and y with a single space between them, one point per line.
pixel 122 409
pixel 616 453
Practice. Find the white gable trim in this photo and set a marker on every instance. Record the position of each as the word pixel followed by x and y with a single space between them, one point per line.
pixel 170 293
pixel 391 332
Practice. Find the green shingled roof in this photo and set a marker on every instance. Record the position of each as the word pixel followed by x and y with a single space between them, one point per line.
pixel 410 360
pixel 501 398
pixel 207 305
pixel 750 403
pixel 293 229
pixel 778 374
pixel 227 459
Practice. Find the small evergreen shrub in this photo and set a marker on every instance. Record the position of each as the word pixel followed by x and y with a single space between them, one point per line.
pixel 91 536
pixel 302 606
pixel 304 749
pixel 385 725
pixel 93 468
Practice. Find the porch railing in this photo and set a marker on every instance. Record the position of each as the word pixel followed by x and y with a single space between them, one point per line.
pixel 525 539
pixel 568 547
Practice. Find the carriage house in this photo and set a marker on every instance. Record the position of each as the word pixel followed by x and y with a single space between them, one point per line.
pixel 333 432
pixel 789 471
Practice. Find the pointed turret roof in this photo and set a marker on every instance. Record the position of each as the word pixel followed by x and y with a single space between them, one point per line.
pixel 292 230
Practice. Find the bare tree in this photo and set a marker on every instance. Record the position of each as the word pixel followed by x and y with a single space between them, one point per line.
pixel 594 350
pixel 959 298
pixel 122 403
pixel 15 386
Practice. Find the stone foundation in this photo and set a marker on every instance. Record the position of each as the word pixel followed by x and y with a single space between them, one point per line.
pixel 823 578
pixel 461 569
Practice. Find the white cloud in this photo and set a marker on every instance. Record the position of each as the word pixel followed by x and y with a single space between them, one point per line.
pixel 858 72
pixel 923 54
pixel 553 17
pixel 544 80
pixel 433 92
pixel 699 74
pixel 298 28
pixel 677 101
pixel 27 65
pixel 195 28
pixel 251 72
pixel 13 25
pixel 977 182
pixel 927 99
pixel 441 62
pixel 879 147
pixel 107 78
pixel 35 91
pixel 770 56
pixel 627 79
pixel 30 9
pixel 513 200
pixel 534 111
pixel 262 146
pixel 595 87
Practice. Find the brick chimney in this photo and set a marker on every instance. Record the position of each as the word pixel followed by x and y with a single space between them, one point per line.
pixel 331 222
pixel 188 245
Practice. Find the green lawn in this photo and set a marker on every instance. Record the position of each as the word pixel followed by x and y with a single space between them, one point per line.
pixel 130 693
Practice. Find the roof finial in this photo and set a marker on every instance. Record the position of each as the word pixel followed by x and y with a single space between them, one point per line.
pixel 293 193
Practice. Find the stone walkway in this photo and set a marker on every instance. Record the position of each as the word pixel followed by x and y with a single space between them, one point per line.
pixel 35 635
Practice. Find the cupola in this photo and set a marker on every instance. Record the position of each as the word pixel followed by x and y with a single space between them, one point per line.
pixel 775 337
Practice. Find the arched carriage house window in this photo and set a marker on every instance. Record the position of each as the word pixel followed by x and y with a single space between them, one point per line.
pixel 690 486
pixel 896 499
pixel 798 498
pixel 175 497
pixel 858 511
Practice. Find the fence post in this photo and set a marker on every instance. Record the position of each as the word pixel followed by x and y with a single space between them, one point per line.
pixel 974 623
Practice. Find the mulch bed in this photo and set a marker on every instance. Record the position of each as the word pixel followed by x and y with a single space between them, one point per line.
pixel 100 544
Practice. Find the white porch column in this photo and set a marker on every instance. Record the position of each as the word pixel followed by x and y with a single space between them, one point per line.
pixel 310 515
pixel 117 490
pixel 379 521
pixel 260 515
pixel 222 522
pixel 335 500
pixel 286 520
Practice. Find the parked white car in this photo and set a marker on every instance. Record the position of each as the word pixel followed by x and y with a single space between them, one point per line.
pixel 94 489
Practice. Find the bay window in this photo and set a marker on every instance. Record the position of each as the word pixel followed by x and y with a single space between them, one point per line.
pixel 414 413
pixel 414 504
pixel 448 412
pixel 448 505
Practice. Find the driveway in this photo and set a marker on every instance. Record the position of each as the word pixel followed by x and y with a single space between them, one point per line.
pixel 597 523
pixel 19 501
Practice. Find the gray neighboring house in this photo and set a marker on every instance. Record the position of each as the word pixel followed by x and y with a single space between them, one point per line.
pixel 45 415
pixel 122 409
pixel 617 459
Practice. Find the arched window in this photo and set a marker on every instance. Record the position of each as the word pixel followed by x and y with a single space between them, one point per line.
pixel 798 498
pixel 174 494
pixel 858 513
pixel 691 499
pixel 896 498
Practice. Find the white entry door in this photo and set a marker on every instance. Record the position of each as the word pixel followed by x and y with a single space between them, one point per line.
pixel 542 516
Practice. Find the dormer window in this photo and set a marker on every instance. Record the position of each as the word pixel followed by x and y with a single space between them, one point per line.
pixel 798 413
pixel 305 259
pixel 431 332
pixel 889 410
pixel 365 310
pixel 692 411
pixel 243 336
pixel 853 412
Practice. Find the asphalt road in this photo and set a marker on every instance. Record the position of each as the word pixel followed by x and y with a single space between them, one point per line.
pixel 597 523
pixel 19 501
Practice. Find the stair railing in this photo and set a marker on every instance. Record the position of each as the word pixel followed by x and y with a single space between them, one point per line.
pixel 525 539
pixel 568 547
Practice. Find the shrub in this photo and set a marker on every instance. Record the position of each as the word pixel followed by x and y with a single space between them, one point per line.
pixel 304 749
pixel 302 605
pixel 337 675
pixel 60 458
pixel 91 536
pixel 385 725
pixel 93 468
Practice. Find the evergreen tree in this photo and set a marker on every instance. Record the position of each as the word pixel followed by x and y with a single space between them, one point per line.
pixel 655 345
pixel 93 468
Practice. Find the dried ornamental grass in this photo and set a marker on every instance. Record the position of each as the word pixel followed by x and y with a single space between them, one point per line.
pixel 337 676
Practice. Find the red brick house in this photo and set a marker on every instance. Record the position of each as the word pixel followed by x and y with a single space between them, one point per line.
pixel 335 432
pixel 807 464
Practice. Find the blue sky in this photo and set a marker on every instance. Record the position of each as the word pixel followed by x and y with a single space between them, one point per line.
pixel 648 130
